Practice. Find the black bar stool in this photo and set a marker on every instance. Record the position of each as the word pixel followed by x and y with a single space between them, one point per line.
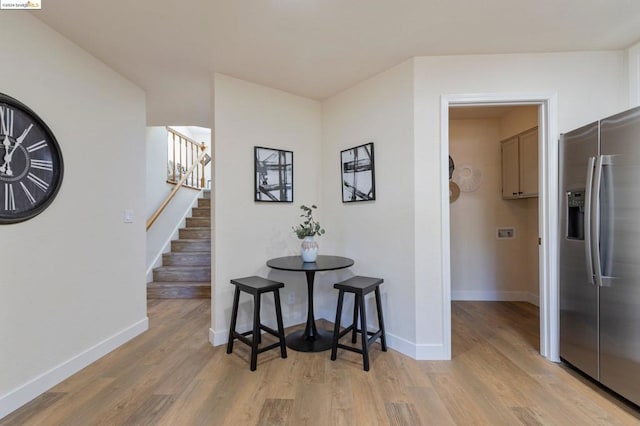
pixel 257 286
pixel 360 287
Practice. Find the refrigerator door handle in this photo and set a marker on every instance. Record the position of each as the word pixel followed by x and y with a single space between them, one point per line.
pixel 595 221
pixel 587 219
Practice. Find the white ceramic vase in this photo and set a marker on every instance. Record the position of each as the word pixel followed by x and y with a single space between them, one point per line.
pixel 309 249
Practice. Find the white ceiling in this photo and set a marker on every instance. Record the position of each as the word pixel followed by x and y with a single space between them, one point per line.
pixel 316 48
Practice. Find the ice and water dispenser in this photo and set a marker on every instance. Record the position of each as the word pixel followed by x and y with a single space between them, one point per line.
pixel 575 215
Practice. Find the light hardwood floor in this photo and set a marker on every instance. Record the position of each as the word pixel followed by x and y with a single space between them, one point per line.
pixel 172 376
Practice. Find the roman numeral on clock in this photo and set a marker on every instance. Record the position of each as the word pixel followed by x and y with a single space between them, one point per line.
pixel 9 200
pixel 27 193
pixel 6 121
pixel 42 164
pixel 38 182
pixel 36 146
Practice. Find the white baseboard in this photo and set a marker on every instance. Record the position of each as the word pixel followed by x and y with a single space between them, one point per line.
pixel 492 296
pixel 30 390
pixel 432 352
pixel 534 299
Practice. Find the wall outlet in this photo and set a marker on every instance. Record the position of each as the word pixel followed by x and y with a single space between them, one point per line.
pixel 505 233
pixel 291 299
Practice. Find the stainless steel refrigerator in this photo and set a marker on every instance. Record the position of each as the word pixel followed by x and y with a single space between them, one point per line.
pixel 600 251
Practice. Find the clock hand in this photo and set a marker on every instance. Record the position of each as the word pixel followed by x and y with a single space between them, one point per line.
pixel 6 167
pixel 6 145
pixel 22 137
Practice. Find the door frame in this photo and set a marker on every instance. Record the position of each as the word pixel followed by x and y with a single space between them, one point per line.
pixel 548 205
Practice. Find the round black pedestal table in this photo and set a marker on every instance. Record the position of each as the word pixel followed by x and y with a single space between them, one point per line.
pixel 310 339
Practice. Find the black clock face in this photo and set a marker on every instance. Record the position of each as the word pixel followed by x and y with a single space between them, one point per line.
pixel 30 162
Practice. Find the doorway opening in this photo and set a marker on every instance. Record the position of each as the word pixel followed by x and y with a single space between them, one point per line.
pixel 547 208
pixel 493 209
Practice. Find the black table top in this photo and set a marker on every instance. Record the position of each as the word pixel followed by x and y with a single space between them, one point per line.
pixel 322 263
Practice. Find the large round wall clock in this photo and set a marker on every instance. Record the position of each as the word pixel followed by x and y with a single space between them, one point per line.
pixel 30 162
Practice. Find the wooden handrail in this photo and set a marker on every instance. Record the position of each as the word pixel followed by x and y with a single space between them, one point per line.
pixel 184 153
pixel 177 187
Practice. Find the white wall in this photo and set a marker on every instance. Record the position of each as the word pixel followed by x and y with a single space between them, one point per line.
pixel 248 233
pixel 72 283
pixel 588 85
pixel 379 234
pixel 165 228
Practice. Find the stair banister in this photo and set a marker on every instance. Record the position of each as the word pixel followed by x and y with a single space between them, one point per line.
pixel 177 187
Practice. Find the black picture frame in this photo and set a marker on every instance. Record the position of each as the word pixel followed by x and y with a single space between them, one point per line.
pixel 357 172
pixel 273 171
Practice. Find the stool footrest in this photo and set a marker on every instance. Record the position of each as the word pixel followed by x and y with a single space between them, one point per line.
pixel 241 337
pixel 350 348
pixel 374 337
pixel 269 330
pixel 268 348
pixel 346 331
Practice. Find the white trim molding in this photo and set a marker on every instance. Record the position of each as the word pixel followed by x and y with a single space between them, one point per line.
pixel 547 207
pixel 25 393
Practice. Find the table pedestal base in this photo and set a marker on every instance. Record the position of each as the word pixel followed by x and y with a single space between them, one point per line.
pixel 321 342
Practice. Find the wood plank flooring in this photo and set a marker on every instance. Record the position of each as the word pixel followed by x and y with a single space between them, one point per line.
pixel 172 376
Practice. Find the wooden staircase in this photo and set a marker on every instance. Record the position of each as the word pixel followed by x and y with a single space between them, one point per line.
pixel 186 270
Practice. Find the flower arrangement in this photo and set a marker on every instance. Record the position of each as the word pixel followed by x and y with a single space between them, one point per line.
pixel 309 227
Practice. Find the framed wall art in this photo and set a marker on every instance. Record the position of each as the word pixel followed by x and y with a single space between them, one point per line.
pixel 358 175
pixel 273 175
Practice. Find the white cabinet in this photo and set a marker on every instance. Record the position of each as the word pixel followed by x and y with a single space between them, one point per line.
pixel 520 165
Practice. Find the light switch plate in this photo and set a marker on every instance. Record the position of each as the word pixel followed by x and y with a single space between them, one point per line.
pixel 128 216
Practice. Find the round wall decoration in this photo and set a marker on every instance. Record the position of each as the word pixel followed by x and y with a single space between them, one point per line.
pixel 467 177
pixel 31 165
pixel 454 192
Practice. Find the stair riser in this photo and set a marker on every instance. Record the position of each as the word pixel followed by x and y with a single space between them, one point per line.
pixel 173 276
pixel 186 259
pixel 200 212
pixel 179 293
pixel 190 246
pixel 195 234
pixel 206 194
pixel 198 222
pixel 204 202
